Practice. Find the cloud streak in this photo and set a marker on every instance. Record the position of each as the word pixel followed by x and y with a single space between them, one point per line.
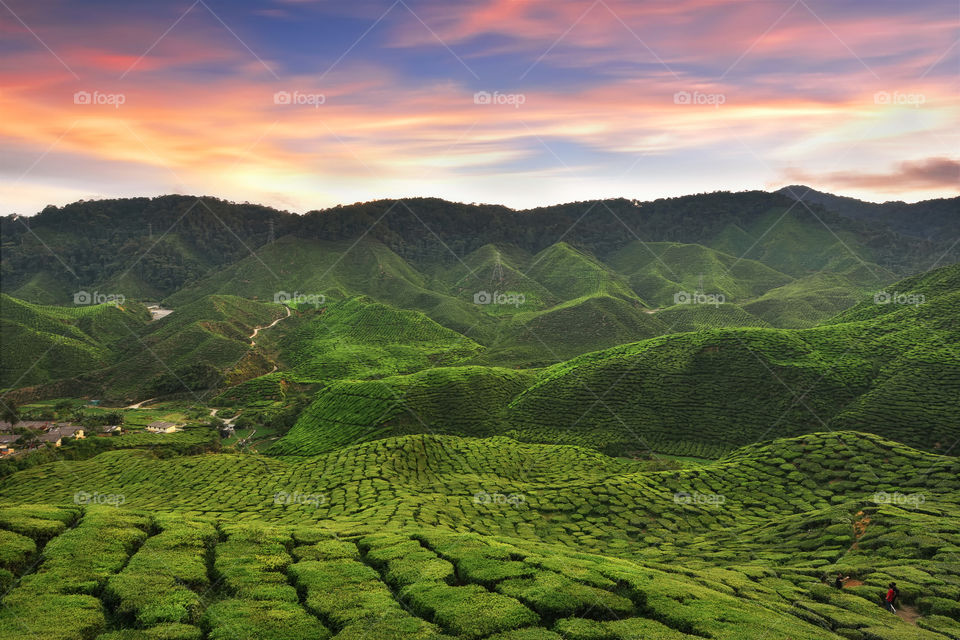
pixel 928 173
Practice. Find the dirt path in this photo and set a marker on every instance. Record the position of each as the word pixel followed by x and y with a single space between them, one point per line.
pixel 139 404
pixel 213 412
pixel 257 330
pixel 244 441
pixel 908 614
pixel 859 528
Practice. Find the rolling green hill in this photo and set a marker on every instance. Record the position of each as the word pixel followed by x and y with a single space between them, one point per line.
pixel 44 343
pixel 704 392
pixel 588 323
pixel 495 269
pixel 660 270
pixel 791 242
pixel 359 338
pixel 571 274
pixel 214 330
pixel 139 358
pixel 465 401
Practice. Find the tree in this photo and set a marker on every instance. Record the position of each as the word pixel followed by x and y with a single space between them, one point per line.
pixel 9 412
pixel 28 437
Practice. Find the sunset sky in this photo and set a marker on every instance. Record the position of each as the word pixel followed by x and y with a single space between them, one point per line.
pixel 304 104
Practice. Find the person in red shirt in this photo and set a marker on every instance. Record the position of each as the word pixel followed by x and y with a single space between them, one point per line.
pixel 891 597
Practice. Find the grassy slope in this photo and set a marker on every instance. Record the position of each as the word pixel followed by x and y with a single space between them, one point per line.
pixel 570 274
pixel 705 392
pixel 816 298
pixel 44 343
pixel 735 386
pixel 360 338
pixel 214 329
pixel 792 242
pixel 494 269
pixel 588 323
pixel 585 545
pixel 659 270
pixel 467 401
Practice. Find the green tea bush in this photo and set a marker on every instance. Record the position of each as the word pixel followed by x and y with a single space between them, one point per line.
pixel 161 581
pixel 82 559
pixel 469 611
pixel 255 620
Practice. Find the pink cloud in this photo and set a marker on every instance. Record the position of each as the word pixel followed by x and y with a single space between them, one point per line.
pixel 911 175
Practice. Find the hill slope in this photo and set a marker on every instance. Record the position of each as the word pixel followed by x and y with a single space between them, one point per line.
pixel 45 343
pixel 893 370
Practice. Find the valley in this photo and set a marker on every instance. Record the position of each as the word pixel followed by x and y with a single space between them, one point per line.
pixel 518 426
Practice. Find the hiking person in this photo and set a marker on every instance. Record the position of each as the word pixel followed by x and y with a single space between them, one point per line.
pixel 892 594
pixel 838 583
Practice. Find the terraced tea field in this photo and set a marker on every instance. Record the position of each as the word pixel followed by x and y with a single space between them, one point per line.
pixel 443 537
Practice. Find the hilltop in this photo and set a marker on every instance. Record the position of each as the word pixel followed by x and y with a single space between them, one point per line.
pixel 152 247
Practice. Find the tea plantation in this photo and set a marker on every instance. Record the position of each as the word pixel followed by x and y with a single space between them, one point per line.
pixel 892 370
pixel 445 537
pixel 530 429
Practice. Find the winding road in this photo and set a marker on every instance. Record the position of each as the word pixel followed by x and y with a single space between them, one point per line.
pixel 139 404
pixel 257 330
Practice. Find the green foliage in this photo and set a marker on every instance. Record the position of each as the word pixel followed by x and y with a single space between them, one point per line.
pixel 469 611
pixel 253 620
pixel 160 582
pixel 81 559
pixel 465 401
pixel 596 548
pixel 46 343
pixel 15 551
pixel 37 521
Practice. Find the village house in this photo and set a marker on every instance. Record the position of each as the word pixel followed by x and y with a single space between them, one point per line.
pixel 160 426
pixel 68 430
pixel 56 435
pixel 6 444
pixel 48 432
pixel 36 425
